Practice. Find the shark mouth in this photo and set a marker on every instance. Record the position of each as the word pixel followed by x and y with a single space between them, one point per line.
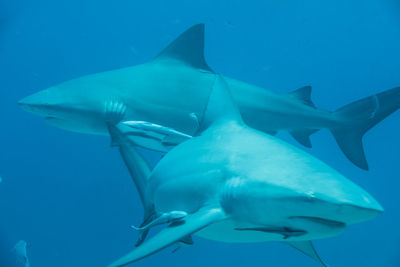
pixel 323 221
pixel 50 118
pixel 286 232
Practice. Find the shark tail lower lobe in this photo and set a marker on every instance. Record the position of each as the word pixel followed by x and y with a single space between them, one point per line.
pixel 358 117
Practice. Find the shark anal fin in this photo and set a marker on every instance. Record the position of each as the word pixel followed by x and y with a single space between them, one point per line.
pixel 170 235
pixel 271 132
pixel 188 48
pixel 303 137
pixel 308 249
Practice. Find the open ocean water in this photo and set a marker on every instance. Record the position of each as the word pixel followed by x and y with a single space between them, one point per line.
pixel 70 196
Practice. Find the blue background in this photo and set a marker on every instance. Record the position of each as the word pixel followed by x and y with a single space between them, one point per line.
pixel 70 196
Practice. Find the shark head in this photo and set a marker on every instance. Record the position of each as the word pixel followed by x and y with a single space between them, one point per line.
pixel 71 106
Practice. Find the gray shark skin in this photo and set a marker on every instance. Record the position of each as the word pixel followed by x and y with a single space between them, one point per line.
pixel 173 89
pixel 240 185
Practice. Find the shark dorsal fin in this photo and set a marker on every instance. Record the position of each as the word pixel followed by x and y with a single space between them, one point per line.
pixel 188 48
pixel 303 94
pixel 220 107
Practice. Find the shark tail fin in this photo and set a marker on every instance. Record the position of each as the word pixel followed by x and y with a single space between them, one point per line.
pixel 358 117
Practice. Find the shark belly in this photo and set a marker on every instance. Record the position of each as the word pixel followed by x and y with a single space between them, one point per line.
pixel 234 231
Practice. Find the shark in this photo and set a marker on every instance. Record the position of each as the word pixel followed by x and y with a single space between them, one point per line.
pixel 20 253
pixel 232 183
pixel 173 88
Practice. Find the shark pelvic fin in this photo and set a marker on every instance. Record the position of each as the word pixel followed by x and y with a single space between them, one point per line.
pixel 308 249
pixel 188 48
pixel 170 235
pixel 304 95
pixel 184 242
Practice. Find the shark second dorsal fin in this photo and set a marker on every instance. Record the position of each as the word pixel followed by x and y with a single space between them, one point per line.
pixel 188 48
pixel 170 235
pixel 220 106
pixel 303 94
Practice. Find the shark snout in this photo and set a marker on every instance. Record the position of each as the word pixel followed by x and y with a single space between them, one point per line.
pixel 37 103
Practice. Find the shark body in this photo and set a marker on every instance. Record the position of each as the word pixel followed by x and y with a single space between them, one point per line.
pixel 236 184
pixel 173 89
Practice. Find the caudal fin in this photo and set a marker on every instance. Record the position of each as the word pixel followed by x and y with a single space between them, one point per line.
pixel 360 116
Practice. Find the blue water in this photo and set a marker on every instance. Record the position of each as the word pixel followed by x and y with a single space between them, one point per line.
pixel 70 196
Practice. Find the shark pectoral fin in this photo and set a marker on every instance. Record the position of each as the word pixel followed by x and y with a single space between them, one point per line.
pixel 188 48
pixel 137 165
pixel 303 137
pixel 170 235
pixel 308 249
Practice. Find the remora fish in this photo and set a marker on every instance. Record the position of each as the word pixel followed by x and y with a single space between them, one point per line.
pixel 237 184
pixel 173 89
